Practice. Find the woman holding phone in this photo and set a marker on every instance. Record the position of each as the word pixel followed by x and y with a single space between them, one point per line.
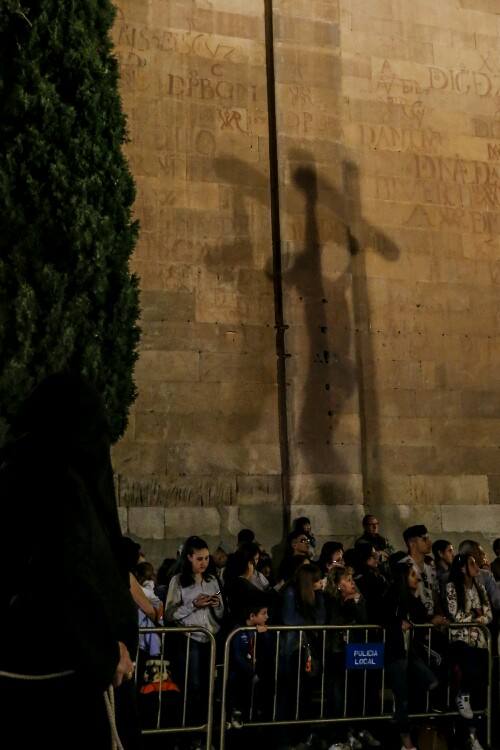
pixel 194 598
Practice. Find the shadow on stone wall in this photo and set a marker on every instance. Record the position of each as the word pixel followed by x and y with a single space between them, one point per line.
pixel 244 185
pixel 338 357
pixel 339 342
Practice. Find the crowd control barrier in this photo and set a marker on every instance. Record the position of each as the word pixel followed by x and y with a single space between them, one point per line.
pixel 342 679
pixel 166 698
pixel 347 682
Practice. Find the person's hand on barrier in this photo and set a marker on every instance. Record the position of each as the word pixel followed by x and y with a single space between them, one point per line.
pixel 125 667
pixel 202 600
pixel 439 620
pixel 158 613
pixel 405 625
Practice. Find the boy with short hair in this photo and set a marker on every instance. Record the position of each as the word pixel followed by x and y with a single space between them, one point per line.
pixel 243 675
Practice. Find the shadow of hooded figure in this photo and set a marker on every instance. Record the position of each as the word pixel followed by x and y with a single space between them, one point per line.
pixel 65 602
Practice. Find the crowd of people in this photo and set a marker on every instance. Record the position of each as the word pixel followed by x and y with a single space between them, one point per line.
pixel 438 608
pixel 370 583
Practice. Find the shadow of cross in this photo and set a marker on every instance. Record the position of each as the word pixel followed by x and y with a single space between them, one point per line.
pixel 333 352
pixel 339 351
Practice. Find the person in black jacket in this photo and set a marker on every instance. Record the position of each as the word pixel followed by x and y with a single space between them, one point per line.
pixel 370 581
pixel 345 605
pixel 76 633
pixel 404 650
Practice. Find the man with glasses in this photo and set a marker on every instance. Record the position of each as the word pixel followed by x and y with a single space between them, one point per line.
pixel 298 548
pixel 372 537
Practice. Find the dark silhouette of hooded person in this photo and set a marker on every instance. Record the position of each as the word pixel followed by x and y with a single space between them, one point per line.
pixel 65 602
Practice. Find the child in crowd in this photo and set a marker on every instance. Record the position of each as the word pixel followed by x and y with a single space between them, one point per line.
pixel 150 643
pixel 244 676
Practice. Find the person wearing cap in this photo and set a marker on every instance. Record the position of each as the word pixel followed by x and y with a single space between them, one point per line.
pixel 419 544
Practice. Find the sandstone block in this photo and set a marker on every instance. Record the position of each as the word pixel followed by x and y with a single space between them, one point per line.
pixel 184 522
pixel 464 518
pixel 327 489
pixel 265 520
pixel 331 520
pixel 221 458
pixel 244 368
pixel 167 366
pixel 437 490
pixel 147 523
pixel 395 518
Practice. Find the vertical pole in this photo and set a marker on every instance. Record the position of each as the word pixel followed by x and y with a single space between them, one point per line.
pixel 299 667
pixel 275 697
pixel 279 323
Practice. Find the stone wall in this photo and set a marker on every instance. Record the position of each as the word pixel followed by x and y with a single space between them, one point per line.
pixel 388 122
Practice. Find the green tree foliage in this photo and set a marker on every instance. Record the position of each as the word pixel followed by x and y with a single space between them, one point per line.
pixel 67 297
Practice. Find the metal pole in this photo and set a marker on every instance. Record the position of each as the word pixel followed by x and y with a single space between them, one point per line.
pixel 299 665
pixel 275 697
pixel 225 678
pixel 323 669
pixel 186 675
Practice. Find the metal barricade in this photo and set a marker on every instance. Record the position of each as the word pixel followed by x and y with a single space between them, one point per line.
pixel 163 634
pixel 280 656
pixel 460 631
pixel 349 632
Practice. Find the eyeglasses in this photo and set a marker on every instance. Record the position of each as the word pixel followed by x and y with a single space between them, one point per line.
pixel 303 539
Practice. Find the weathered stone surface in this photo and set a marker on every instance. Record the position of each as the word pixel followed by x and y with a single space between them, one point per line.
pixel 147 522
pixel 389 177
pixel 466 518
pixel 184 522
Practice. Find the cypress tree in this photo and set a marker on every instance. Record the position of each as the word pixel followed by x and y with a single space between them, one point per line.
pixel 67 297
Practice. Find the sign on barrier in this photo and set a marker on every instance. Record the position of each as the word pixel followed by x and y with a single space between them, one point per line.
pixel 364 656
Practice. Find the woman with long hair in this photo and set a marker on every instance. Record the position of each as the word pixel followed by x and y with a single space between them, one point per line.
pixel 194 598
pixel 345 606
pixel 331 556
pixel 403 609
pixel 303 604
pixel 467 602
